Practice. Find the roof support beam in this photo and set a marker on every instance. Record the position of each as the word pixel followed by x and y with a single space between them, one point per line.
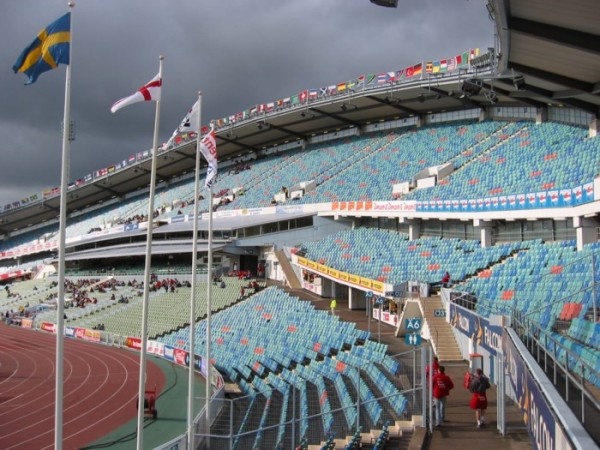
pixel 392 103
pixel 589 107
pixel 336 117
pixel 236 142
pixel 285 130
pixel 553 77
pixel 572 38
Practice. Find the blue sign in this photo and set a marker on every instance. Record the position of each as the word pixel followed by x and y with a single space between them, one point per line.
pixel 413 324
pixel 439 312
pixel 369 294
pixel 412 339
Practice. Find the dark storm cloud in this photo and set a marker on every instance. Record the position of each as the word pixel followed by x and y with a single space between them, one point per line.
pixel 237 52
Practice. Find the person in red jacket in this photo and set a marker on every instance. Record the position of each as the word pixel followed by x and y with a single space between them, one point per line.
pixel 441 384
pixel 433 369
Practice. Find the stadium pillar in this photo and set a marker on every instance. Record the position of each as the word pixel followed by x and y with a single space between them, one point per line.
pixel 585 230
pixel 485 232
pixel 593 130
pixel 414 227
pixel 484 114
pixel 541 115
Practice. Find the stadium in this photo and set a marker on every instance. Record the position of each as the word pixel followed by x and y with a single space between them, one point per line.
pixel 309 291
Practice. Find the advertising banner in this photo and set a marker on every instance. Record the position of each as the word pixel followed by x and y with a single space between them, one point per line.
pixel 133 342
pixel 49 327
pixel 552 198
pixel 477 328
pixel 181 357
pixel 169 354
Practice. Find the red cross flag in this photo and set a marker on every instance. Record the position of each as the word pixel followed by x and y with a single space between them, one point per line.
pixel 150 91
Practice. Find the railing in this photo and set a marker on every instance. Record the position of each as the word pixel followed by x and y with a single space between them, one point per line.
pixel 313 416
pixel 565 368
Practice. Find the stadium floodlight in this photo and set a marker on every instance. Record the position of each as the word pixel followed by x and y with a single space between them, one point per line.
pixel 471 87
pixel 386 3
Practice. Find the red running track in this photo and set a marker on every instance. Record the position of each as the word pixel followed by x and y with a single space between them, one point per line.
pixel 100 389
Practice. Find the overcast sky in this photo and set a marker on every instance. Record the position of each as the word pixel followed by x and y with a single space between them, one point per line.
pixel 238 52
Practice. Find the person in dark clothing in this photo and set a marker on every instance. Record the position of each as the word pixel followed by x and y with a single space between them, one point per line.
pixel 478 386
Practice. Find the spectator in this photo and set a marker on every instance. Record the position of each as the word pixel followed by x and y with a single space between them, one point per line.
pixel 478 386
pixel 442 384
pixel 433 369
pixel 260 270
pixel 242 292
pixel 446 280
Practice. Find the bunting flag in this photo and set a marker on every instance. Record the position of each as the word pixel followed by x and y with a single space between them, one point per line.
pixel 452 64
pixel 208 148
pixel 50 48
pixel 150 91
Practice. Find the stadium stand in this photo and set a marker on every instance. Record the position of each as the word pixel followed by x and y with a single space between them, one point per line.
pixel 500 195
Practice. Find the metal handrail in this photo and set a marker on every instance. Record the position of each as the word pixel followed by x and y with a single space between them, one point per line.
pixel 534 331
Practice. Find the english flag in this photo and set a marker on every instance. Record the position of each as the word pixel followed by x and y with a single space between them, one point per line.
pixel 150 91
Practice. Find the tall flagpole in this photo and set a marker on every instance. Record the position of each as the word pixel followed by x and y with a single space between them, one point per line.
pixel 209 311
pixel 60 305
pixel 147 268
pixel 192 348
pixel 209 306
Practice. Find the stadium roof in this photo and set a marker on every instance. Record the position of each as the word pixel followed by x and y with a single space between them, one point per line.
pixel 555 45
pixel 547 56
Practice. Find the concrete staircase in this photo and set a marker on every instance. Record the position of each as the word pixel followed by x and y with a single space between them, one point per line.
pixel 442 336
pixel 288 270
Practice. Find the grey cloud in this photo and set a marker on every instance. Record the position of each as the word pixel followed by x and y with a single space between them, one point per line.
pixel 237 52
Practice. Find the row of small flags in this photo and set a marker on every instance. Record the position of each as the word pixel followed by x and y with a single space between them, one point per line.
pixel 357 84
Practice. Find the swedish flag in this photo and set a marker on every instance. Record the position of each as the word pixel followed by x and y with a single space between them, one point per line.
pixel 49 49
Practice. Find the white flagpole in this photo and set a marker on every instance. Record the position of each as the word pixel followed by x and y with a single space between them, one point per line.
pixel 60 305
pixel 190 418
pixel 209 308
pixel 147 268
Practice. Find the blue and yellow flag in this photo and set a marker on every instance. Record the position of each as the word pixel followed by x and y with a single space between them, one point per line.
pixel 49 49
